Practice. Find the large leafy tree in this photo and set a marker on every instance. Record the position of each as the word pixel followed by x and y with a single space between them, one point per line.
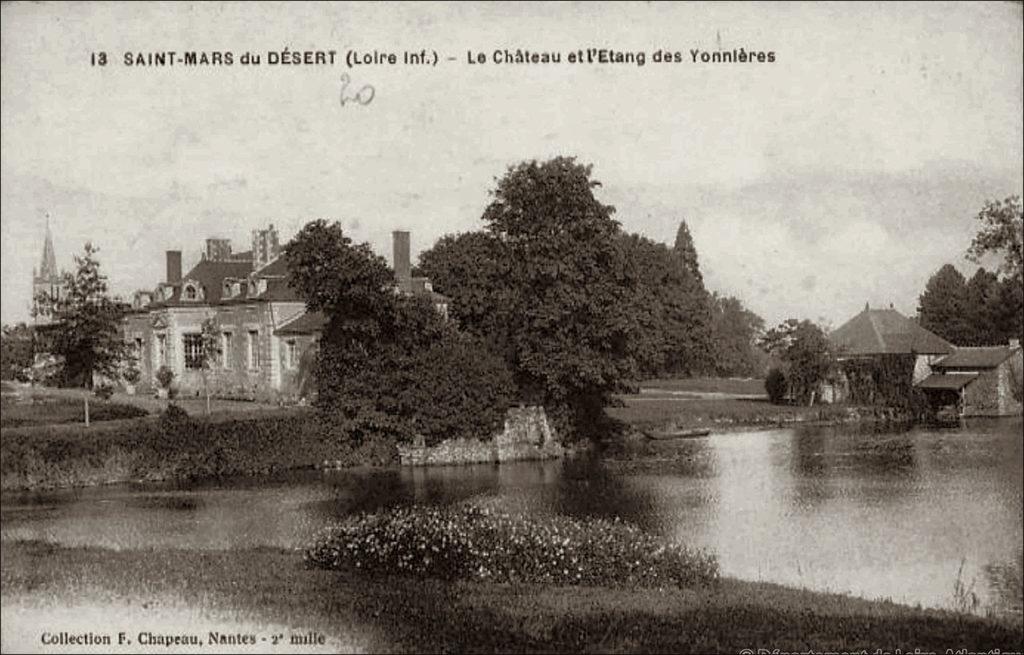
pixel 805 352
pixel 470 269
pixel 86 331
pixel 1001 234
pixel 735 331
pixel 672 307
pixel 389 366
pixel 549 280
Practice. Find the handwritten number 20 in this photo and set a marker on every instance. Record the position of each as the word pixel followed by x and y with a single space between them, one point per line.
pixel 363 96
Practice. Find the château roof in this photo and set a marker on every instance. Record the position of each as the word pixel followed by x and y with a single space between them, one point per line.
pixel 886 332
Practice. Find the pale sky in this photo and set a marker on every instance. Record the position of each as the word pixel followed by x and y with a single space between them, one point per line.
pixel 846 172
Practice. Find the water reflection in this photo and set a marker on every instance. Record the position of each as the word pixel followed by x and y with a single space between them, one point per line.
pixel 876 514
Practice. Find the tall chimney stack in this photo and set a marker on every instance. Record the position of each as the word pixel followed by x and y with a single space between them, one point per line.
pixel 403 269
pixel 174 267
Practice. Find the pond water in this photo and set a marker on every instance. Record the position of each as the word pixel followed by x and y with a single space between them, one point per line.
pixel 891 515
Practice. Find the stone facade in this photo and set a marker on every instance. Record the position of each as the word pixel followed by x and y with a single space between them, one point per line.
pixel 526 435
pixel 254 362
pixel 991 393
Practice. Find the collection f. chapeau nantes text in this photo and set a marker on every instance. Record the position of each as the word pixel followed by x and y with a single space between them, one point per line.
pixel 381 58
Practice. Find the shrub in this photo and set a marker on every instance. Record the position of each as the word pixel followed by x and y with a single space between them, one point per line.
pixel 476 542
pixel 165 376
pixel 174 417
pixel 104 391
pixel 131 373
pixel 776 386
pixel 423 377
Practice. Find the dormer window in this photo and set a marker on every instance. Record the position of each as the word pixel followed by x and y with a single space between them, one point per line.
pixel 190 292
pixel 227 290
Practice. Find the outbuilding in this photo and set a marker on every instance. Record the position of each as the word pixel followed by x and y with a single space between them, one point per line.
pixel 978 381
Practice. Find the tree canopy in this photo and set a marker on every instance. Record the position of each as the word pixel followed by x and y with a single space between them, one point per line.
pixel 1002 234
pixel 85 335
pixel 988 309
pixel 805 352
pixel 736 331
pixel 389 366
pixel 548 280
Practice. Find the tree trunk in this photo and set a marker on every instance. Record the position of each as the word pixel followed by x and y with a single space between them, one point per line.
pixel 87 408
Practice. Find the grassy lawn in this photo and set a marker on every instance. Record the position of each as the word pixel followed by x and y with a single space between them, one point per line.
pixel 645 411
pixel 26 406
pixel 407 615
pixel 738 386
pixel 42 409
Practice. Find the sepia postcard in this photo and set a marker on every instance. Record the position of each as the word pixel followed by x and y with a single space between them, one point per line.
pixel 512 327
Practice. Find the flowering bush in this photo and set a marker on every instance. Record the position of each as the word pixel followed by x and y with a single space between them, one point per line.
pixel 475 542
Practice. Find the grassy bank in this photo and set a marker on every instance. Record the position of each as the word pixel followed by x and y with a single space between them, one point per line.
pixel 40 409
pixel 737 386
pixel 152 448
pixel 385 614
pixel 650 411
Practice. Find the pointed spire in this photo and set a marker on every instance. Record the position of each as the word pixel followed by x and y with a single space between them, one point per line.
pixel 48 267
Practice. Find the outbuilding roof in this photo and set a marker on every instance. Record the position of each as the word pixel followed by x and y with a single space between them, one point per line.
pixel 952 381
pixel 975 357
pixel 886 332
pixel 304 323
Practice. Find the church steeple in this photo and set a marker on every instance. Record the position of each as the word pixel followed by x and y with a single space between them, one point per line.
pixel 48 265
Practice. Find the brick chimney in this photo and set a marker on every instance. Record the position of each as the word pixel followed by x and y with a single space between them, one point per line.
pixel 403 269
pixel 174 267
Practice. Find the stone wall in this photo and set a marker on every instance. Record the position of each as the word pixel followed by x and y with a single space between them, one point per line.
pixel 527 435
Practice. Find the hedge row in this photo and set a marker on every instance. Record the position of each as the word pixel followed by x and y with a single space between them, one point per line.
pixel 173 446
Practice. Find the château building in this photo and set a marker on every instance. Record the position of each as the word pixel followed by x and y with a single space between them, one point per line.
pixel 267 339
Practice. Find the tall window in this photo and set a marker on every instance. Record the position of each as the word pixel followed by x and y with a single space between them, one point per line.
pixel 138 349
pixel 161 349
pixel 254 349
pixel 193 344
pixel 292 353
pixel 225 350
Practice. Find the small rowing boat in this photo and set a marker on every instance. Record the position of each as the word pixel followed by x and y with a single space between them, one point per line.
pixel 677 434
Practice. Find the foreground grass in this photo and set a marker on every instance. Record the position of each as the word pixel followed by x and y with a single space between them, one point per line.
pixel 402 614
